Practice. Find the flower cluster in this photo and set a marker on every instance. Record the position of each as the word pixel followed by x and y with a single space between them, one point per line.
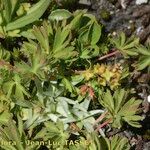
pixel 106 75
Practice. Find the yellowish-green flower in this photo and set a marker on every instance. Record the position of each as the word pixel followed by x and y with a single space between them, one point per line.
pixel 102 81
pixel 107 74
pixel 114 83
pixel 99 69
pixel 88 74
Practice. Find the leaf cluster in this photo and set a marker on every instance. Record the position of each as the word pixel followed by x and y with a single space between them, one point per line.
pixel 53 86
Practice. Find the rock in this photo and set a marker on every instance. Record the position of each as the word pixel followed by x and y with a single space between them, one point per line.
pixel 147 146
pixel 85 2
pixel 145 20
pixel 148 98
pixel 140 11
pixel 144 34
pixel 128 32
pixel 119 19
pixel 139 30
pixel 139 143
pixel 118 6
pixel 147 41
pixel 124 3
pixel 139 2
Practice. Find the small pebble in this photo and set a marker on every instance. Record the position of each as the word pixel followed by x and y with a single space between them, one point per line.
pixel 130 21
pixel 129 27
pixel 139 2
pixel 148 98
pixel 139 30
pixel 114 33
pixel 111 12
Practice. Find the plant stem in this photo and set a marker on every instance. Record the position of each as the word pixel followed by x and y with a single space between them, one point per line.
pixel 103 124
pixel 101 117
pixel 108 55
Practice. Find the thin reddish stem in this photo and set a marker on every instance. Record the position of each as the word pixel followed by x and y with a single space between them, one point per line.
pixel 101 117
pixel 103 124
pixel 108 55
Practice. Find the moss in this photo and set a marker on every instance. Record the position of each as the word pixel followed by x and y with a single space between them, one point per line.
pixel 105 14
pixel 146 136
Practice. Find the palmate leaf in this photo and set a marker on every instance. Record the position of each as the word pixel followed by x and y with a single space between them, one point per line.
pixel 120 109
pixel 60 48
pixel 119 97
pixel 61 42
pixel 108 101
pixel 28 49
pixel 41 35
pixel 54 132
pixel 143 63
pixel 66 53
pixel 36 61
pixel 15 88
pixel 13 132
pixel 90 141
pixel 100 143
pixel 118 143
pixel 127 46
pixel 144 57
pixel 130 107
pixel 89 33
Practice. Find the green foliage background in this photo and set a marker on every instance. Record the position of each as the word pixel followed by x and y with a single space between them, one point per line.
pixel 56 79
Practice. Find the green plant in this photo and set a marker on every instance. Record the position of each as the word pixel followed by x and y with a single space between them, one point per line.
pixel 127 46
pixel 55 81
pixel 144 57
pixel 54 132
pixel 51 105
pixel 4 54
pixel 93 142
pixel 13 137
pixel 104 75
pixel 131 47
pixel 4 108
pixel 117 143
pixel 26 15
pixel 120 108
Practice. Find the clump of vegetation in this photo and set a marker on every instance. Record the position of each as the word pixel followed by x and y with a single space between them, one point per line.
pixel 104 75
pixel 59 86
pixel 105 14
